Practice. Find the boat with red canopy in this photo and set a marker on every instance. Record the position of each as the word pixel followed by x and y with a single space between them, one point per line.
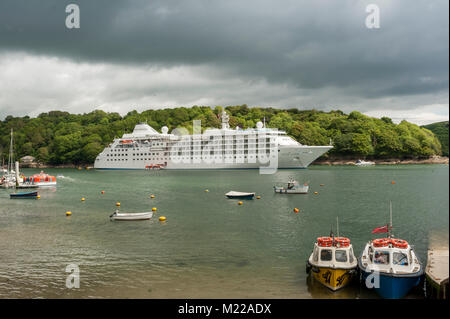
pixel 41 179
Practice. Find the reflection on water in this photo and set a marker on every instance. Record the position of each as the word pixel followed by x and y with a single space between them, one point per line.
pixel 209 247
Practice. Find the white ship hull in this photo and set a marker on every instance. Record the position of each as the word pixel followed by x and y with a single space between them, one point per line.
pixel 289 157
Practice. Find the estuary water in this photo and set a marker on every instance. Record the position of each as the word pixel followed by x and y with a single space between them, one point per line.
pixel 209 246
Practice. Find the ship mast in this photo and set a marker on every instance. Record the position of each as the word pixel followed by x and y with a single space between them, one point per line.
pixel 225 119
pixel 337 225
pixel 390 219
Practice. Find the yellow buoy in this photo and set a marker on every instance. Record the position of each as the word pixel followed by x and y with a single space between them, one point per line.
pixel 162 219
pixel 154 209
pixel 296 210
pixel 38 196
pixel 258 197
pixel 117 204
pixel 68 213
pixel 240 203
pixel 152 196
pixel 322 184
pixel 316 193
pixel 206 190
pixel 82 199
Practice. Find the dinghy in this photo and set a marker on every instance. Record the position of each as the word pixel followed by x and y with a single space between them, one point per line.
pixel 24 195
pixel 240 195
pixel 131 216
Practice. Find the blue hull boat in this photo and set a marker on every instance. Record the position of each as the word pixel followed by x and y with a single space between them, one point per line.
pixel 394 286
pixel 24 195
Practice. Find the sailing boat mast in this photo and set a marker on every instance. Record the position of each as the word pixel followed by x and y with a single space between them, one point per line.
pixel 11 156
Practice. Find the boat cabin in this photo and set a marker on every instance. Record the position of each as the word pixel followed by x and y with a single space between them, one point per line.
pixel 334 252
pixel 390 255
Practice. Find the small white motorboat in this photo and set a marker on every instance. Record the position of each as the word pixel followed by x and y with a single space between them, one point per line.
pixel 240 195
pixel 131 216
pixel 364 163
pixel 292 188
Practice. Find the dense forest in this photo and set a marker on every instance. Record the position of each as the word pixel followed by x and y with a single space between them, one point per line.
pixel 440 129
pixel 60 137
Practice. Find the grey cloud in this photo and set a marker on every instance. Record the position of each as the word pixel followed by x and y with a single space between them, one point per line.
pixel 312 47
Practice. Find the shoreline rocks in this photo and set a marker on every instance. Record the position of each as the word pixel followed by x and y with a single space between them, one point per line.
pixel 388 161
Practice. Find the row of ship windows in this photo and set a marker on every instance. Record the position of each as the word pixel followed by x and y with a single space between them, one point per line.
pixel 179 157
pixel 134 154
pixel 233 142
pixel 174 152
pixel 136 159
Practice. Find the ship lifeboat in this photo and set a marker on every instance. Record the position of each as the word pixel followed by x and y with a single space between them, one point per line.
pixel 126 141
pixel 341 242
pixel 325 241
pixel 381 242
pixel 399 243
pixel 40 179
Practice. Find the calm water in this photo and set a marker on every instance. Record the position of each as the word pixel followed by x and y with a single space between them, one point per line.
pixel 209 247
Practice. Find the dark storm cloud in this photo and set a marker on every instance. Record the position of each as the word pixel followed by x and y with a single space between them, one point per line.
pixel 310 44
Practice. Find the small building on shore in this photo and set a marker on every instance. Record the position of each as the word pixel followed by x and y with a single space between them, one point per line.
pixel 28 161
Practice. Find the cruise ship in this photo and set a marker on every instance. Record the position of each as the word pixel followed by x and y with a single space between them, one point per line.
pixel 224 148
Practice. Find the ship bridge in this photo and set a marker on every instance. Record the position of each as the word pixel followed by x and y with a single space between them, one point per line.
pixel 141 130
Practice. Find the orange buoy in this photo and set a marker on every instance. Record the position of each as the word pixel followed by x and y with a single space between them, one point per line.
pixel 392 182
pixel 102 192
pixel 240 203
pixel 316 193
pixel 296 210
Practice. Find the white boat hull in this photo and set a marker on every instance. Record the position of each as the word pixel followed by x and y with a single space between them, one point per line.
pixel 300 190
pixel 288 157
pixel 131 216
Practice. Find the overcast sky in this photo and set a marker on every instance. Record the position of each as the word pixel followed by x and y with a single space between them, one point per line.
pixel 147 54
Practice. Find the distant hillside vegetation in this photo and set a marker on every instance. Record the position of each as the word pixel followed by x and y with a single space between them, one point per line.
pixel 440 129
pixel 62 138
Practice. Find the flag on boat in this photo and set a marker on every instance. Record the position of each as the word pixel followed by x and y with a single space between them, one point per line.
pixel 383 229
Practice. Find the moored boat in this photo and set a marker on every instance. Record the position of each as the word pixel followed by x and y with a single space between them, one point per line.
pixel 240 195
pixel 332 262
pixel 154 166
pixel 292 188
pixel 24 195
pixel 364 163
pixel 131 216
pixel 390 265
pixel 40 180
